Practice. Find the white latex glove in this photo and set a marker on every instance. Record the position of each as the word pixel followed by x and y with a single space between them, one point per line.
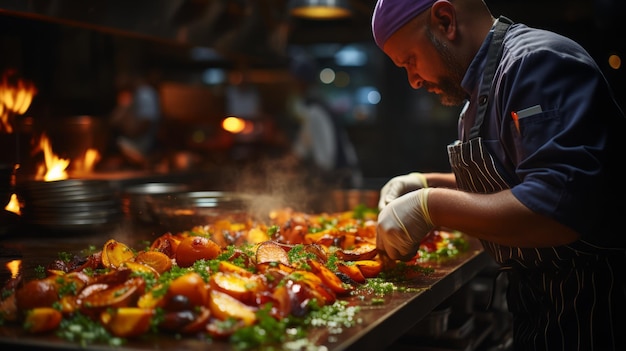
pixel 402 225
pixel 400 185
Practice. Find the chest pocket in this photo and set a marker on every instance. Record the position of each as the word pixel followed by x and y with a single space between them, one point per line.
pixel 533 129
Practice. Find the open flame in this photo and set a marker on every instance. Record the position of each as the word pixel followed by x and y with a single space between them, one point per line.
pixel 13 205
pixel 14 267
pixel 15 98
pixel 87 163
pixel 56 168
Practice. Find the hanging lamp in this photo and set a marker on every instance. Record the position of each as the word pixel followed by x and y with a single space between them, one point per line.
pixel 320 9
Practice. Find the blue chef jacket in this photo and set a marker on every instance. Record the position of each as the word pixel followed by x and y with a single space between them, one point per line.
pixel 562 159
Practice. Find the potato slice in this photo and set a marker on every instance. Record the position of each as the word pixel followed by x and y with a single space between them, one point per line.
pixel 79 279
pixel 320 251
pixel 91 289
pixel 347 241
pixel 313 287
pixel 229 267
pixel 318 238
pixel 368 229
pixel 68 304
pixel 306 275
pixel 127 322
pixel 114 253
pixel 352 271
pixel 149 300
pixel 42 319
pixel 137 267
pixel 302 292
pixel 121 295
pixel 167 244
pixel 271 251
pixel 369 268
pixel 256 235
pixel 363 251
pixel 192 286
pixel 155 259
pixel 243 288
pixel 114 277
pixel 329 277
pixel 224 306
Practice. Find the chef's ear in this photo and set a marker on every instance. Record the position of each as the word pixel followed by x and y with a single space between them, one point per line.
pixel 443 18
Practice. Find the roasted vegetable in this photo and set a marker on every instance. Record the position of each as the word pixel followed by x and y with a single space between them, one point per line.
pixel 220 279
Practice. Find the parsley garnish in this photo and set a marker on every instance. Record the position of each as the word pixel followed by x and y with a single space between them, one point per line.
pixel 80 328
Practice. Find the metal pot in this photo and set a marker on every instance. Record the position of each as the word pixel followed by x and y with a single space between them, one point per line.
pixel 184 210
pixel 135 198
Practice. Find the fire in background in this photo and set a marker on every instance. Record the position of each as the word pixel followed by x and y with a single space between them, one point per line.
pixel 15 98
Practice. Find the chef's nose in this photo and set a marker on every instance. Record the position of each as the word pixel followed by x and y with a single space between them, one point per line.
pixel 415 80
pixel 416 83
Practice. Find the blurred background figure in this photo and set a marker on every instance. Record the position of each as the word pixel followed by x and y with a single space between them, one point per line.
pixel 135 121
pixel 321 142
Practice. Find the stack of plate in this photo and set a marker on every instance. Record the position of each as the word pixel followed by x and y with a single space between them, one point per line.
pixel 71 204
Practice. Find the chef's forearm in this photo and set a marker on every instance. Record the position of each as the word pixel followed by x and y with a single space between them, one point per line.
pixel 497 217
pixel 444 180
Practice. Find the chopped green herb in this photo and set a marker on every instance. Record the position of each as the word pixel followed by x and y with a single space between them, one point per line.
pixel 65 256
pixel 331 262
pixel 40 272
pixel 83 330
pixel 298 255
pixel 361 210
pixel 378 301
pixel 66 287
pixel 272 231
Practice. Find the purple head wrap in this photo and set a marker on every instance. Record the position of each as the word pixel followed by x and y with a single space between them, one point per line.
pixel 390 15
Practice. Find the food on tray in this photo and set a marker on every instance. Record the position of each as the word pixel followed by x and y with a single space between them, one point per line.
pixel 217 279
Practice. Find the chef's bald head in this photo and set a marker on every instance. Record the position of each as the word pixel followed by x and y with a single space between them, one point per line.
pixel 391 15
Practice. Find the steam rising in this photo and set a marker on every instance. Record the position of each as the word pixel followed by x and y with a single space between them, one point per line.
pixel 273 184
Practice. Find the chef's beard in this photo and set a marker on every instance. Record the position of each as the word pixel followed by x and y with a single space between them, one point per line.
pixel 450 85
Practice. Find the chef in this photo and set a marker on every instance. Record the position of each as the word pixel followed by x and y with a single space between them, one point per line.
pixel 535 172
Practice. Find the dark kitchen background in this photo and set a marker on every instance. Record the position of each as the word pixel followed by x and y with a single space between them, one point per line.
pixel 76 51
pixel 209 60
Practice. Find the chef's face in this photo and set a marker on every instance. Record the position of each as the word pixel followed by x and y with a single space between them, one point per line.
pixel 428 60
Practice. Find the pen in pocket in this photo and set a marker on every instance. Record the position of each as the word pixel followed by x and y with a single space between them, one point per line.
pixel 515 120
pixel 527 112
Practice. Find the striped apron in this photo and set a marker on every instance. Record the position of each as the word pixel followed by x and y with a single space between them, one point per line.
pixel 569 297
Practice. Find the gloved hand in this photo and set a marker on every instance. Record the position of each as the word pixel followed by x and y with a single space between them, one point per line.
pixel 400 185
pixel 402 225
